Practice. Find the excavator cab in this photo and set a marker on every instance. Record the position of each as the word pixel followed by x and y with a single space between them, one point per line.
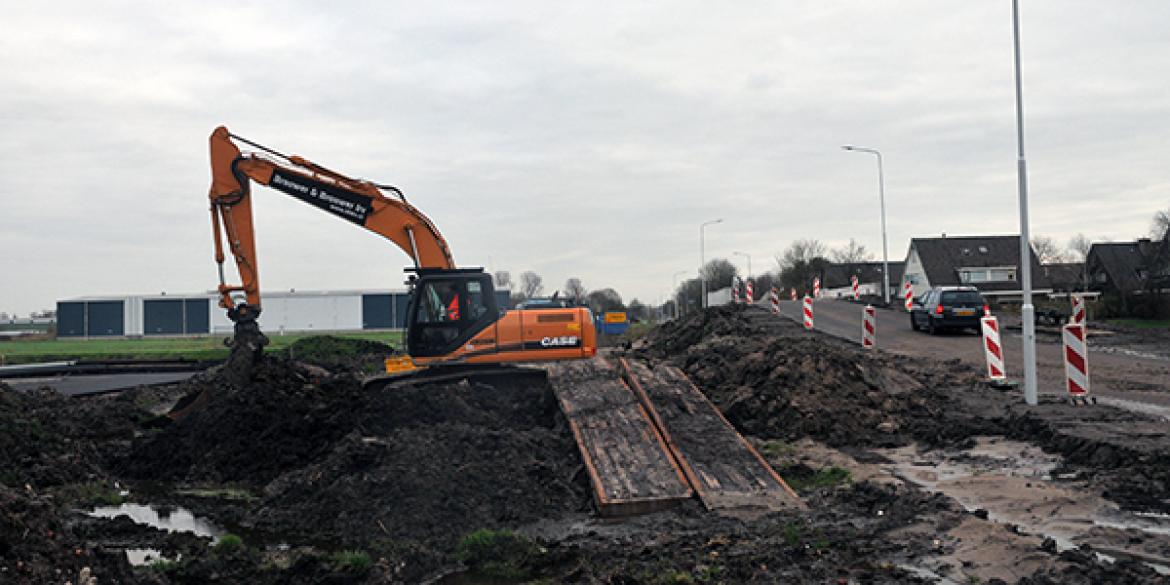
pixel 447 308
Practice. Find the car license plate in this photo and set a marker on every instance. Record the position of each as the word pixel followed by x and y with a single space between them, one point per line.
pixel 964 312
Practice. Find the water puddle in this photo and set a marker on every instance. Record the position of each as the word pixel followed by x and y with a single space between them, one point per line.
pixel 1013 482
pixel 171 519
pixel 1136 407
pixel 1129 352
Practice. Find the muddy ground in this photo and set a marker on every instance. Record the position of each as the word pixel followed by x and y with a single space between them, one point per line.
pixel 320 481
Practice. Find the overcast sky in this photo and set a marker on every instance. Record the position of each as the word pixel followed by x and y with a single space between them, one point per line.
pixel 584 139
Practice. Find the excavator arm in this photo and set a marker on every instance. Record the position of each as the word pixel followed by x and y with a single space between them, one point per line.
pixel 354 200
pixel 358 201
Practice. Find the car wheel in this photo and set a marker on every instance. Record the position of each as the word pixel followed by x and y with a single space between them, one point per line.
pixel 930 327
pixel 913 323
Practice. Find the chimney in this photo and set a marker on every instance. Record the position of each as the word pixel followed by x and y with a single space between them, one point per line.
pixel 1145 248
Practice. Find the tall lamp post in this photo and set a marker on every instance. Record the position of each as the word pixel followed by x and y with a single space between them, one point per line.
pixel 674 290
pixel 1027 312
pixel 749 259
pixel 882 199
pixel 703 260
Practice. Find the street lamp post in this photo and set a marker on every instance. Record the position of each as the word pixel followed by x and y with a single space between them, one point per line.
pixel 702 261
pixel 1027 312
pixel 674 291
pixel 882 199
pixel 749 259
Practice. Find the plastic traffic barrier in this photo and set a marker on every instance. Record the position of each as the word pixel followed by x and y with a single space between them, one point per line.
pixel 808 312
pixel 993 349
pixel 868 327
pixel 1076 362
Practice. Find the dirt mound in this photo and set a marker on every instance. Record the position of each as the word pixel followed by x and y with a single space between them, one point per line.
pixel 39 544
pixel 407 471
pixel 341 354
pixel 790 386
pixel 277 422
pixel 475 456
pixel 48 440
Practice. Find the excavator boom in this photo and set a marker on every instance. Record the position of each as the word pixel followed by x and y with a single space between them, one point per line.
pixel 453 317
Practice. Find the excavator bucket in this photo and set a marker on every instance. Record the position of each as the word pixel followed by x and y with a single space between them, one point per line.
pixel 247 348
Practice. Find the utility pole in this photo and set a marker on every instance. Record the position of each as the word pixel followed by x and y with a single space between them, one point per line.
pixel 1027 312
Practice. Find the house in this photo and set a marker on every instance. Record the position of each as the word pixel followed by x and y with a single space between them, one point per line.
pixel 1066 276
pixel 989 263
pixel 1129 267
pixel 837 283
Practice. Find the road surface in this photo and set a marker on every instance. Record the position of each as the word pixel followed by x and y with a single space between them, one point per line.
pixel 93 384
pixel 1117 374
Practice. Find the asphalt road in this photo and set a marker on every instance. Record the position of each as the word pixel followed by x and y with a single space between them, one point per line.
pixel 78 385
pixel 1117 373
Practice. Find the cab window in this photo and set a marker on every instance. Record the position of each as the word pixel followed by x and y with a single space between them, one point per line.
pixel 438 302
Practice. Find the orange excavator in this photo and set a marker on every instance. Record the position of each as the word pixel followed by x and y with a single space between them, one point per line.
pixel 453 318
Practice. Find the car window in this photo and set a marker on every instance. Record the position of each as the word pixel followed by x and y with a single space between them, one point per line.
pixel 962 297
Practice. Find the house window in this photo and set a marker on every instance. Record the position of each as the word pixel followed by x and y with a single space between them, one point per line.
pixel 976 275
pixel 1002 275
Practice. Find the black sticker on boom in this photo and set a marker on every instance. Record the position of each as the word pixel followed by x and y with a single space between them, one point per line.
pixel 343 204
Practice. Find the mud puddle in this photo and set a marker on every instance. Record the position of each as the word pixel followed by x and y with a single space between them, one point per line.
pixel 168 518
pixel 1019 485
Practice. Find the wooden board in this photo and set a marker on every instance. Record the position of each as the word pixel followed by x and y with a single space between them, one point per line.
pixel 723 468
pixel 630 468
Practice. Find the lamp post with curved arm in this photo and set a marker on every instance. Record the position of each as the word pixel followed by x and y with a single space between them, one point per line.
pixel 882 199
pixel 703 261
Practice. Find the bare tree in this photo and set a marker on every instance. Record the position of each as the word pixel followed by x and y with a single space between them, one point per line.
pixel 531 284
pixel 719 273
pixel 1079 247
pixel 574 289
pixel 851 253
pixel 1047 250
pixel 503 279
pixel 602 300
pixel 638 311
pixel 801 251
pixel 1160 228
pixel 800 263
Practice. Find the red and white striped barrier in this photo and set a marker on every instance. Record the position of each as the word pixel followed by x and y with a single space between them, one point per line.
pixel 1076 362
pixel 868 327
pixel 817 287
pixel 908 296
pixel 856 288
pixel 808 312
pixel 750 296
pixel 792 293
pixel 1078 310
pixel 993 349
pixel 735 291
pixel 774 296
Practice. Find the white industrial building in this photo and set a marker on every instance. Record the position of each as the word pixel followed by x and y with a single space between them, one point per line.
pixel 200 314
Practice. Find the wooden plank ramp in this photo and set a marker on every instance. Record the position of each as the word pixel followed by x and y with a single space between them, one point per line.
pixel 723 467
pixel 630 468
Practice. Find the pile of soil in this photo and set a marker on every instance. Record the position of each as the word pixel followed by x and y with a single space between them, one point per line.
pixel 49 440
pixel 54 452
pixel 773 380
pixel 405 471
pixel 790 386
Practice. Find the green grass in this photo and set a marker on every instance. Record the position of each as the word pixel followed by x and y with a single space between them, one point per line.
pixel 196 348
pixel 351 561
pixel 821 478
pixel 1141 323
pixel 228 544
pixel 500 554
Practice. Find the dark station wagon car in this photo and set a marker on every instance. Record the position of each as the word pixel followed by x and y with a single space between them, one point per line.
pixel 948 307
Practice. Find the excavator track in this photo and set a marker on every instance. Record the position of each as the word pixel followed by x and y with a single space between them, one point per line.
pixel 455 373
